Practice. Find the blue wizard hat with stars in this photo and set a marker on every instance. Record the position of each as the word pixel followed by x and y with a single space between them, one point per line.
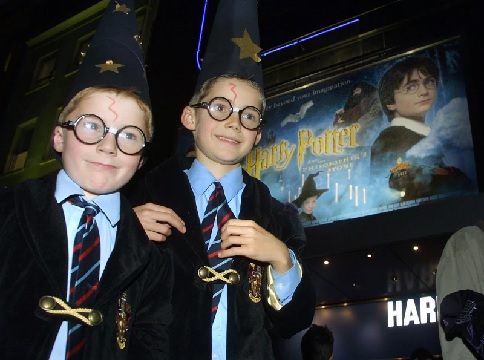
pixel 233 45
pixel 114 56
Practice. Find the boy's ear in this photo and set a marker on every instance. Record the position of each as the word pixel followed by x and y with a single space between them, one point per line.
pixel 258 137
pixel 392 107
pixel 58 139
pixel 188 117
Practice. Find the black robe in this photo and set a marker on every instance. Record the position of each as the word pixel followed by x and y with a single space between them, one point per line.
pixel 33 263
pixel 250 324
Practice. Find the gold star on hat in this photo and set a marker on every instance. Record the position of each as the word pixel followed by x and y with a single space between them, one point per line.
pixel 109 65
pixel 114 57
pixel 233 45
pixel 248 49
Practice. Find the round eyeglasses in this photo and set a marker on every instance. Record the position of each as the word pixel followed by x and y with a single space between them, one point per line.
pixel 220 109
pixel 430 83
pixel 90 129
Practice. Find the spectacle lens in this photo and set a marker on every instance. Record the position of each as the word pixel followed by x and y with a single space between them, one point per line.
pixel 90 129
pixel 220 109
pixel 430 83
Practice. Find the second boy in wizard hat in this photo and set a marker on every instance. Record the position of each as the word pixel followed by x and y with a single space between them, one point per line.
pixel 266 289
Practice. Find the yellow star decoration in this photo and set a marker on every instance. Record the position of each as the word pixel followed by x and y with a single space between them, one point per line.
pixel 109 66
pixel 247 47
pixel 122 7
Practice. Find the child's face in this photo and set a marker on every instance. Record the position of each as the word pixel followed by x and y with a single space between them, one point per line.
pixel 223 142
pixel 309 204
pixel 414 105
pixel 100 168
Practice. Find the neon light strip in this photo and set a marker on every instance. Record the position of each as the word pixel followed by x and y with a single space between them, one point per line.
pixel 308 37
pixel 204 14
pixel 265 53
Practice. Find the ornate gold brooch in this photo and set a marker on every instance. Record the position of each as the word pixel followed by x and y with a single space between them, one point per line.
pixel 123 317
pixel 255 282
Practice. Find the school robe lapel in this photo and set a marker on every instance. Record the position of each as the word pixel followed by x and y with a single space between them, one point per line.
pixel 131 251
pixel 171 188
pixel 42 218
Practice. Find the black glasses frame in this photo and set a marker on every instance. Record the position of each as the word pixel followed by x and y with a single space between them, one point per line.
pixel 72 125
pixel 207 104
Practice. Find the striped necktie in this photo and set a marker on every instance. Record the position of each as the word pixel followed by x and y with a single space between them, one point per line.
pixel 84 272
pixel 217 206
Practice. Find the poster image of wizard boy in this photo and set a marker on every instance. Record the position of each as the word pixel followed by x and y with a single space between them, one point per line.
pixel 407 91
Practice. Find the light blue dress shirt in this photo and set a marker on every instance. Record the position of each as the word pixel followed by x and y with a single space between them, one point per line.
pixel 107 221
pixel 201 181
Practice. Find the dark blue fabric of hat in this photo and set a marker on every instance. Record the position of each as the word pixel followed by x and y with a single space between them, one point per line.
pixel 114 56
pixel 233 45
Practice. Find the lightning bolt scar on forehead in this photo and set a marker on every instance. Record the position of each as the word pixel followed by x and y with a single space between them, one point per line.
pixel 110 107
pixel 232 89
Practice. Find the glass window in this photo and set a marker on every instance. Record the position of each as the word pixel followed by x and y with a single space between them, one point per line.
pixel 45 70
pixel 20 146
pixel 82 45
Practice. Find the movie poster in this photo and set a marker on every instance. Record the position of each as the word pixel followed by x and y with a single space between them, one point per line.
pixel 391 135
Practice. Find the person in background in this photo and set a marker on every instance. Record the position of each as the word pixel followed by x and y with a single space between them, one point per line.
pixel 460 299
pixel 421 353
pixel 238 275
pixel 79 277
pixel 317 343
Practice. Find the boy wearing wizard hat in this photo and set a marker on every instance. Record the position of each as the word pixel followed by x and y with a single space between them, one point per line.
pixel 79 277
pixel 238 277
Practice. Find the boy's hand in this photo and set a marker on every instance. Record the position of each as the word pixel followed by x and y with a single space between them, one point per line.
pixel 158 220
pixel 247 238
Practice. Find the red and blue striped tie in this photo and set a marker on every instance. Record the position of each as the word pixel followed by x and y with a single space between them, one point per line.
pixel 84 272
pixel 217 205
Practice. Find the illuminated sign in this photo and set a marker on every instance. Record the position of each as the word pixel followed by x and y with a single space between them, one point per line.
pixel 333 150
pixel 416 312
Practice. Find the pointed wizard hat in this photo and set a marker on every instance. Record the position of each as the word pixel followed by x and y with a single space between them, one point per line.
pixel 309 189
pixel 233 45
pixel 114 56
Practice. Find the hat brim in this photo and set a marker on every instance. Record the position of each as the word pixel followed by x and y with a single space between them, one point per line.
pixel 301 198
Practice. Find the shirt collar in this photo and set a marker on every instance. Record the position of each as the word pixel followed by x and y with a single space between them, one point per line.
pixel 109 203
pixel 201 178
pixel 415 126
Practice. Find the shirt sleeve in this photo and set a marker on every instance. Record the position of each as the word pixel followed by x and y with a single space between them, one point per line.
pixel 282 286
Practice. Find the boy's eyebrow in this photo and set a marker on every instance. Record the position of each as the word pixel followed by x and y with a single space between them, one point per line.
pixel 412 81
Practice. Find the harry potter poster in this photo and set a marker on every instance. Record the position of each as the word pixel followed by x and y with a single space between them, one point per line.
pixel 391 135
